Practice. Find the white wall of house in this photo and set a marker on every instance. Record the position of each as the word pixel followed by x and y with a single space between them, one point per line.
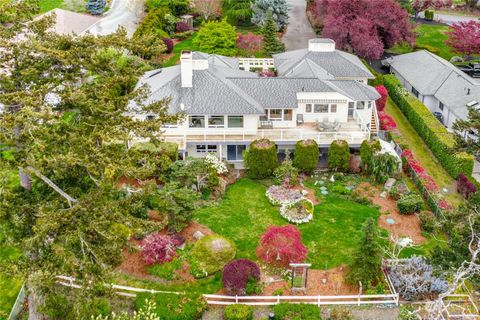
pixel 330 98
pixel 250 124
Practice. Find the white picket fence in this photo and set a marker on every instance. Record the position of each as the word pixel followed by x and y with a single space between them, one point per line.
pixel 18 305
pixel 358 300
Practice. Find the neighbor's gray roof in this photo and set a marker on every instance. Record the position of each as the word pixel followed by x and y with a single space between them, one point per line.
pixel 433 75
pixel 336 64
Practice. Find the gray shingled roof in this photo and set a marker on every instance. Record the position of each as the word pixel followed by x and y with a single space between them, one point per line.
pixel 433 75
pixel 337 63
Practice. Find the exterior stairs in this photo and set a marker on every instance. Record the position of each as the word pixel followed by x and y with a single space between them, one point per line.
pixel 374 123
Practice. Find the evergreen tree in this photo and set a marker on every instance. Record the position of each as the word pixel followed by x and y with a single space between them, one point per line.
pixel 271 43
pixel 96 7
pixel 238 11
pixel 278 8
pixel 367 259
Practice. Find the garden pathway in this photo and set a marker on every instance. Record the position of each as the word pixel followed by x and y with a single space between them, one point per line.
pixel 123 13
pixel 450 18
pixel 299 30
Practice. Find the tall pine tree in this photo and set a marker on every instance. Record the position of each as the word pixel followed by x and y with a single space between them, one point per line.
pixel 271 43
pixel 96 7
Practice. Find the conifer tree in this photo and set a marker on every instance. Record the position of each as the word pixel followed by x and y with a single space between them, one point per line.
pixel 271 43
pixel 96 7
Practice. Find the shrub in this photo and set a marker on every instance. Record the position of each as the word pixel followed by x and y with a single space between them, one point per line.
pixel 177 7
pixel 386 121
pixel 182 26
pixel 250 42
pixel 238 312
pixel 183 35
pixel 280 246
pixel 465 187
pixel 410 203
pixel 382 101
pixel 209 255
pixel 427 221
pixel 261 159
pixel 340 189
pixel 173 306
pixel 169 44
pixel 407 313
pixel 383 166
pixel 367 150
pixel 197 172
pixel 306 155
pixel 157 248
pixel 56 306
pixel 340 314
pixel 236 275
pixel 286 173
pixel 339 155
pixel 439 140
pixel 429 15
pixel 216 37
pixel 154 23
pixel 414 280
pixel 291 311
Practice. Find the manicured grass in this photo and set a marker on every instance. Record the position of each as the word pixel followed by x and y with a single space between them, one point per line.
pixel 422 152
pixel 245 213
pixel 47 5
pixel 186 44
pixel 431 37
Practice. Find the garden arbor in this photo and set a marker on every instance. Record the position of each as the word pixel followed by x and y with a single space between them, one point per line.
pixel 299 276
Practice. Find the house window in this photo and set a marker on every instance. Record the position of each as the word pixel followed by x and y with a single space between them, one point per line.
pixel 276 114
pixel 202 148
pixel 333 108
pixel 415 92
pixel 287 114
pixel 308 107
pixel 320 108
pixel 440 106
pixel 360 105
pixel 235 152
pixel 235 121
pixel 150 117
pixel 196 122
pixel 216 121
pixel 369 104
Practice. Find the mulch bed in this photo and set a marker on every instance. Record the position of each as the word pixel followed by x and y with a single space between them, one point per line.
pixel 404 226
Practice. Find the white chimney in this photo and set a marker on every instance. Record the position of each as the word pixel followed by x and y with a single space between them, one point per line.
pixel 186 69
pixel 321 45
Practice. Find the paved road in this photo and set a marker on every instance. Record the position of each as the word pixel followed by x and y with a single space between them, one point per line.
pixel 299 30
pixel 126 13
pixel 449 18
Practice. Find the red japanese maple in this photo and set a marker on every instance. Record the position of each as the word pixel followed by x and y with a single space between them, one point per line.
pixel 386 121
pixel 280 246
pixel 250 42
pixel 157 248
pixel 236 275
pixel 464 37
pixel 382 101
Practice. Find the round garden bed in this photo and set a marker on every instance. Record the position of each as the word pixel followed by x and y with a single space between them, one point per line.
pixel 298 212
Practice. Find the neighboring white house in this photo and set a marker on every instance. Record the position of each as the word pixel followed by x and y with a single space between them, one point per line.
pixel 437 83
pixel 320 93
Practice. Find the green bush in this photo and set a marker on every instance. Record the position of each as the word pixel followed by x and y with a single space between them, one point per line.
pixel 261 159
pixel 209 255
pixel 166 270
pixel 428 221
pixel 367 150
pixel 217 37
pixel 429 15
pixel 383 166
pixel 174 306
pixel 238 312
pixel 410 203
pixel 339 156
pixel 286 173
pixel 441 142
pixel 177 7
pixel 340 189
pixel 56 306
pixel 340 314
pixel 292 311
pixel 154 23
pixel 306 155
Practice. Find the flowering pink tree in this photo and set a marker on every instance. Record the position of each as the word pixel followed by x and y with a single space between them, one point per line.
pixel 386 121
pixel 157 248
pixel 464 37
pixel 421 5
pixel 366 27
pixel 382 101
pixel 250 42
pixel 280 246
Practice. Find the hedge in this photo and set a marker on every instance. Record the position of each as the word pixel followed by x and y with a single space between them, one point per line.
pixel 306 155
pixel 238 312
pixel 261 159
pixel 439 140
pixel 287 311
pixel 339 156
pixel 174 306
pixel 410 203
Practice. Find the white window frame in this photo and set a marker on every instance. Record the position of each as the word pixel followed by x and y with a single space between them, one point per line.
pixel 228 121
pixel 208 148
pixel 216 125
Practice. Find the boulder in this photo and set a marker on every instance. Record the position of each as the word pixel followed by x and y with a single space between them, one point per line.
pixel 198 235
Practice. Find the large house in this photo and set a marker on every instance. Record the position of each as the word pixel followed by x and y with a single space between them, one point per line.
pixel 441 86
pixel 319 93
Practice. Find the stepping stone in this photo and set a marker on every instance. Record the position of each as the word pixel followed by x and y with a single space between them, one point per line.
pixel 197 235
pixel 383 195
pixel 324 192
pixel 389 184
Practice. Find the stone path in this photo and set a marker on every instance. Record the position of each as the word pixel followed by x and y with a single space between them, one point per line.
pixel 299 30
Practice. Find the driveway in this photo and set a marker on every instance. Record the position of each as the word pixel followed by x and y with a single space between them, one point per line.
pixel 450 18
pixel 299 30
pixel 125 13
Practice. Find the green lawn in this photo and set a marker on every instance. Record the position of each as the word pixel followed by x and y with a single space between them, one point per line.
pixel 430 37
pixel 245 213
pixel 47 5
pixel 186 44
pixel 422 152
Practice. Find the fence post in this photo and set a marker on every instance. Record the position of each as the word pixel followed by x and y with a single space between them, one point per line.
pixel 318 301
pixel 236 299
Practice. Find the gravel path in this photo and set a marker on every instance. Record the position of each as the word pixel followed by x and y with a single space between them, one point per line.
pixel 299 30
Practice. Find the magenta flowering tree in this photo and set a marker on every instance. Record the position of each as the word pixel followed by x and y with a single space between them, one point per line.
pixel 237 273
pixel 382 101
pixel 157 248
pixel 250 42
pixel 182 26
pixel 464 37
pixel 464 186
pixel 169 44
pixel 365 27
pixel 421 5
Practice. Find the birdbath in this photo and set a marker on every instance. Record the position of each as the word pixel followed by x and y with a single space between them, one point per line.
pixel 390 221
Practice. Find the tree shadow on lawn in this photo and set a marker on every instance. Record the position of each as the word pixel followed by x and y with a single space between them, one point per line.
pixel 245 213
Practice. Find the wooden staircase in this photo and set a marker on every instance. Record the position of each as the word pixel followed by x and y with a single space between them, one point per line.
pixel 374 125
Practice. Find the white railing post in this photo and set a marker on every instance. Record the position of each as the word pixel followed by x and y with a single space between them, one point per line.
pixel 236 299
pixel 318 301
pixel 281 134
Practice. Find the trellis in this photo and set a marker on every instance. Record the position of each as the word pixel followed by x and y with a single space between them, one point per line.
pixel 299 276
